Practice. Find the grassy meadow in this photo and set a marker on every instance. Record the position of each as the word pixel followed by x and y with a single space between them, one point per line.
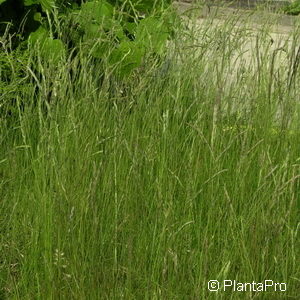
pixel 149 186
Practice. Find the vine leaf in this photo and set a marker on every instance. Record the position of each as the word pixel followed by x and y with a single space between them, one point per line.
pixel 152 34
pixel 95 11
pixel 38 36
pixel 127 56
pixel 51 50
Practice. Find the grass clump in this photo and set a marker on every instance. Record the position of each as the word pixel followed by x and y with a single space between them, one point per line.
pixel 147 187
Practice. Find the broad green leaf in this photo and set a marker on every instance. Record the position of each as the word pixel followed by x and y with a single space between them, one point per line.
pixel 127 56
pixel 31 2
pixel 118 31
pixel 95 11
pixel 110 25
pixel 38 36
pixel 37 17
pixel 1 1
pixel 97 41
pixel 53 50
pixel 152 34
pixel 92 31
pixel 100 49
pixel 130 27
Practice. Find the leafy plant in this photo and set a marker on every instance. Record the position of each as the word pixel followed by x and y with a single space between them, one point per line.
pixel 106 28
pixel 293 8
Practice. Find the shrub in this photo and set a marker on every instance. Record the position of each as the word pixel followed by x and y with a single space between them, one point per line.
pixel 293 8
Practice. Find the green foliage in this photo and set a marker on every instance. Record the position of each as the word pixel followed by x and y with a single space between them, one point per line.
pixel 146 6
pixel 293 8
pixel 152 33
pixel 96 11
pixel 105 28
pixel 39 36
pixel 45 4
pixel 51 50
pixel 101 32
pixel 13 81
pixel 128 55
pixel 31 2
pixel 152 191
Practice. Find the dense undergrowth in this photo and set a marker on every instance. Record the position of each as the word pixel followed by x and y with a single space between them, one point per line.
pixel 147 186
pixel 292 8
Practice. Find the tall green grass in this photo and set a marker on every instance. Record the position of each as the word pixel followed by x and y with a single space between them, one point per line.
pixel 150 186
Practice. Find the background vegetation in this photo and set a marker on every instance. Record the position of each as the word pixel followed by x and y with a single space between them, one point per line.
pixel 293 8
pixel 141 160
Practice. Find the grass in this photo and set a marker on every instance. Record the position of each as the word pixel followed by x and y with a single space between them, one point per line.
pixel 152 190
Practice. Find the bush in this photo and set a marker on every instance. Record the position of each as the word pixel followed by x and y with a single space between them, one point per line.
pixel 115 33
pixel 110 28
pixel 293 8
